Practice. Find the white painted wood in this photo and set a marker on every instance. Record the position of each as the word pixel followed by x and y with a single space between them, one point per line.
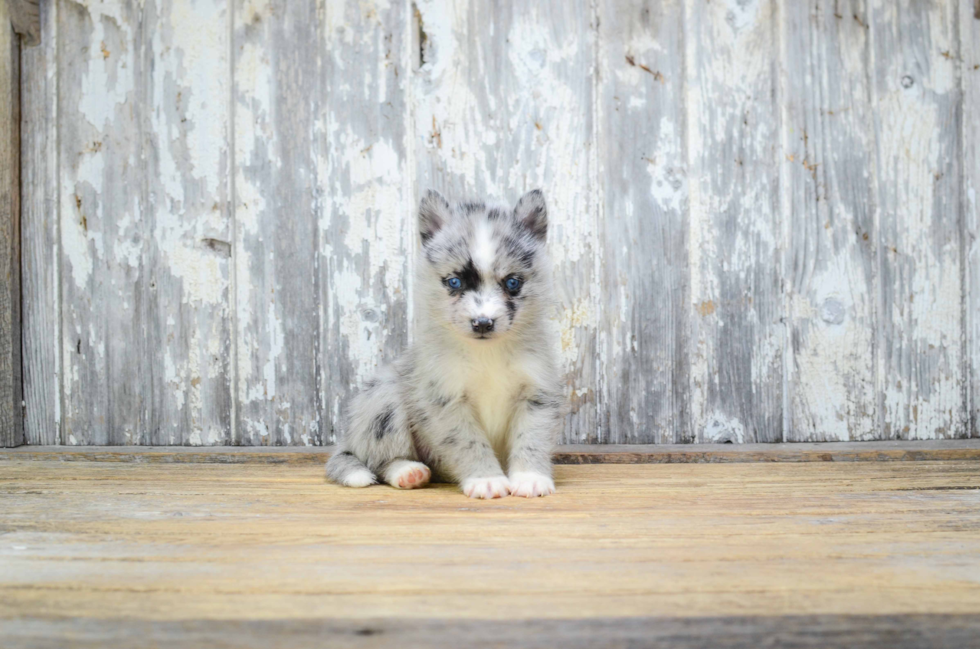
pixel 969 70
pixel 365 200
pixel 40 252
pixel 185 143
pixel 275 95
pixel 917 114
pixel 731 58
pixel 503 105
pixel 102 223
pixel 645 309
pixel 763 213
pixel 827 169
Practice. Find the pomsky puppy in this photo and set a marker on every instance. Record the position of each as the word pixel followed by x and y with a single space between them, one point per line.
pixel 477 399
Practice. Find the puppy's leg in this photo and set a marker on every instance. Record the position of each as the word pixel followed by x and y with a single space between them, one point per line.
pixel 407 474
pixel 534 430
pixel 462 449
pixel 379 437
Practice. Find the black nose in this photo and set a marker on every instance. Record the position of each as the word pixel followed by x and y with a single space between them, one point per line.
pixel 482 325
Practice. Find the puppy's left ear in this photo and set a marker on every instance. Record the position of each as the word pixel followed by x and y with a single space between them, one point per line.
pixel 532 213
pixel 434 213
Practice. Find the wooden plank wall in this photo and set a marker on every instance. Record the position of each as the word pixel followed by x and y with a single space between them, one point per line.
pixel 764 213
pixel 11 424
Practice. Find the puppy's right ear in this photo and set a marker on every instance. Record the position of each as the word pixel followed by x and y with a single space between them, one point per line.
pixel 434 213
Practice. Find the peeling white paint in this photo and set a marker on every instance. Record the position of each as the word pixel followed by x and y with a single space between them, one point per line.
pixel 159 248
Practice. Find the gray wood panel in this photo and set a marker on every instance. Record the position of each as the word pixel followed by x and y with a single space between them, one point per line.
pixel 917 115
pixel 40 246
pixel 365 200
pixel 763 214
pixel 275 77
pixel 829 207
pixel 504 105
pixel 969 35
pixel 11 425
pixel 102 210
pixel 736 388
pixel 645 310
pixel 185 254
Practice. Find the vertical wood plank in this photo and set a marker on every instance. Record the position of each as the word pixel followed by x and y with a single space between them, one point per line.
pixel 732 139
pixel 11 422
pixel 40 246
pixel 101 222
pixel 645 301
pixel 275 241
pixel 969 32
pixel 505 105
pixel 827 173
pixel 917 126
pixel 185 129
pixel 365 201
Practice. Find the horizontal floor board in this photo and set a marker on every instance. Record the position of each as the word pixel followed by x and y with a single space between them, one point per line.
pixel 748 632
pixel 964 450
pixel 112 554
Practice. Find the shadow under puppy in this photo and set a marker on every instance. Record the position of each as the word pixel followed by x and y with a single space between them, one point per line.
pixel 476 399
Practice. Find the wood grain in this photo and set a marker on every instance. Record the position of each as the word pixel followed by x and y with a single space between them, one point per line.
pixel 365 198
pixel 185 388
pixel 969 35
pixel 893 451
pixel 173 545
pixel 11 420
pixel 736 389
pixel 102 222
pixel 763 214
pixel 504 105
pixel 643 237
pixel 915 631
pixel 275 248
pixel 40 244
pixel 917 127
pixel 828 199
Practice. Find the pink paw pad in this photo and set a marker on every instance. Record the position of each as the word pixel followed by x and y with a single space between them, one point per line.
pixel 410 475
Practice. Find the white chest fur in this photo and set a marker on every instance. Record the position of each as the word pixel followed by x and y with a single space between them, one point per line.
pixel 493 380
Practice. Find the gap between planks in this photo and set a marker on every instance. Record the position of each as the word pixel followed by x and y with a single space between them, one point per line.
pixel 892 451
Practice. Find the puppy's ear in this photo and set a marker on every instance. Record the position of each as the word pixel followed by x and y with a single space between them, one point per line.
pixel 434 213
pixel 532 213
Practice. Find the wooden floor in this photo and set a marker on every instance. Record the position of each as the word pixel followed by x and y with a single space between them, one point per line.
pixel 100 554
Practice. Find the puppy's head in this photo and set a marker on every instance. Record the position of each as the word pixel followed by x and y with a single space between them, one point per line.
pixel 484 273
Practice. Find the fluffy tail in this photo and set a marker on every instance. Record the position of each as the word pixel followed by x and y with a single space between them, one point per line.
pixel 345 469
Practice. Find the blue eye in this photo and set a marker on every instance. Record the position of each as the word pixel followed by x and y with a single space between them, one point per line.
pixel 513 284
pixel 454 283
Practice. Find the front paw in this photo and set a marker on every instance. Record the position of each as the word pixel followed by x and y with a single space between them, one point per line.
pixel 495 487
pixel 531 485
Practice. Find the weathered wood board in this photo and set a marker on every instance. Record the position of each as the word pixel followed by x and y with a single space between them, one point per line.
pixel 274 251
pixel 917 121
pixel 827 189
pixel 764 214
pixel 365 197
pixel 101 554
pixel 40 237
pixel 969 60
pixel 737 376
pixel 11 420
pixel 645 353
